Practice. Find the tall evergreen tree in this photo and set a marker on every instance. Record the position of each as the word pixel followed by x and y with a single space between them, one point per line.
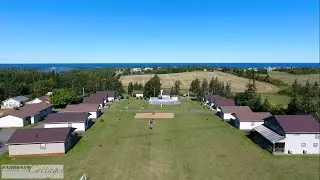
pixel 130 88
pixel 204 87
pixel 176 88
pixel 227 91
pixel 294 106
pixel 266 104
pixel 152 87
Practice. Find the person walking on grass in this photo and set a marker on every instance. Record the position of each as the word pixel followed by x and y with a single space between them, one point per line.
pixel 151 123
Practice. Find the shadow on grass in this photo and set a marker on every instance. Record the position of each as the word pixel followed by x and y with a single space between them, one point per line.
pixel 75 139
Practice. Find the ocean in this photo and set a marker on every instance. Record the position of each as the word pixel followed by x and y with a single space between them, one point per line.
pixel 124 65
pixel 61 67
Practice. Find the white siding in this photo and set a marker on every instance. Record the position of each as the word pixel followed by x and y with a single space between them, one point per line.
pixel 78 126
pixel 11 121
pixel 248 125
pixel 33 149
pixel 94 115
pixel 110 99
pixel 35 119
pixel 10 103
pixel 226 116
pixel 139 95
pixel 293 143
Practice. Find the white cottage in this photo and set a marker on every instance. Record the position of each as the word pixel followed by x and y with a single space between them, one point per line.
pixel 14 102
pixel 28 114
pixel 225 112
pixel 247 121
pixel 40 142
pixel 92 109
pixel 78 120
pixel 288 134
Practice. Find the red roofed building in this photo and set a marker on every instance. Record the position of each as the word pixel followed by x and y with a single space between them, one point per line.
pixel 40 142
pixel 289 134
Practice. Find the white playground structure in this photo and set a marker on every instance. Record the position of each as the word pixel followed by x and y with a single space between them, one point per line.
pixel 164 99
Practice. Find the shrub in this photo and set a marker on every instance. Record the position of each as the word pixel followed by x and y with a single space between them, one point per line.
pixel 102 120
pixel 127 97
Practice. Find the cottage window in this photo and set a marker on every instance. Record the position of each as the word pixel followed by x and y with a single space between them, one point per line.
pixel 69 124
pixel 317 136
pixel 252 123
pixel 303 144
pixel 42 146
pixel 315 144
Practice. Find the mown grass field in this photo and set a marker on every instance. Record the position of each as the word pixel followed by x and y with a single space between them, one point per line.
pixel 276 99
pixel 290 78
pixel 190 146
pixel 237 83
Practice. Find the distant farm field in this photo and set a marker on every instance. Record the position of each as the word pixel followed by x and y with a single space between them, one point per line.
pixel 237 83
pixel 290 78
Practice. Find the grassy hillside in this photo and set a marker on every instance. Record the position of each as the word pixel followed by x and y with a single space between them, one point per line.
pixel 237 83
pixel 290 78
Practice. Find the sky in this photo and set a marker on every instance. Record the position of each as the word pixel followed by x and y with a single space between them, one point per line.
pixel 154 31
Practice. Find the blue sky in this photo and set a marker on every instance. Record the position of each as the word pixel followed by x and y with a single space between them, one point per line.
pixel 121 31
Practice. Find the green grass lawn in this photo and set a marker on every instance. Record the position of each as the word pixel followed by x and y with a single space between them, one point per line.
pixel 290 78
pixel 186 147
pixel 134 104
pixel 276 99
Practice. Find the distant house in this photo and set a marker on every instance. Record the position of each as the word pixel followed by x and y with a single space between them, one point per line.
pixel 14 102
pixel 49 94
pixel 92 109
pixel 78 120
pixel 148 69
pixel 113 96
pixel 212 99
pixel 40 142
pixel 288 134
pixel 247 121
pixel 222 102
pixel 137 93
pixel 94 99
pixel 135 70
pixel 39 100
pixel 225 112
pixel 28 114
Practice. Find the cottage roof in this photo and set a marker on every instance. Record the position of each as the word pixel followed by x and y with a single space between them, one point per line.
pixel 246 116
pixel 111 93
pixel 235 109
pixel 20 98
pixel 297 123
pixel 81 108
pixel 67 117
pixel 29 110
pixel 213 98
pixel 39 135
pixel 93 99
pixel 224 102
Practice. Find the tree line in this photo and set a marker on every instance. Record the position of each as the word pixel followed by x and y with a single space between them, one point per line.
pixel 215 86
pixel 256 75
pixel 134 87
pixel 35 83
pixel 296 89
pixel 299 71
pixel 300 103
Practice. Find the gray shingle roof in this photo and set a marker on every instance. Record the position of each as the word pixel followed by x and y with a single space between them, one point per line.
pixel 20 98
